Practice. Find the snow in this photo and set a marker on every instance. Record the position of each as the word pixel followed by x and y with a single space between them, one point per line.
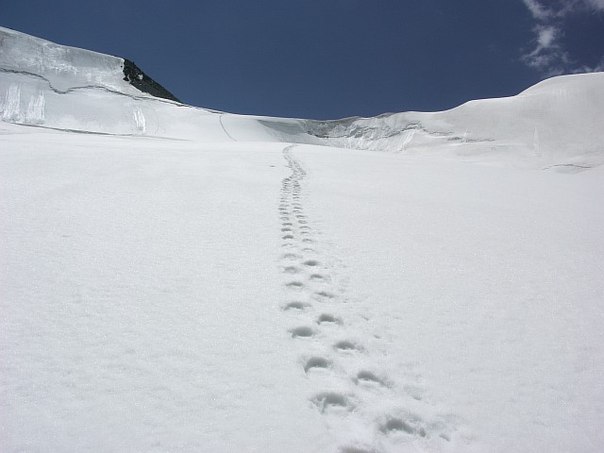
pixel 487 281
pixel 179 279
pixel 139 299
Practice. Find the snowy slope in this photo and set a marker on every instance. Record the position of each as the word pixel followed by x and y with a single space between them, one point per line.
pixel 179 279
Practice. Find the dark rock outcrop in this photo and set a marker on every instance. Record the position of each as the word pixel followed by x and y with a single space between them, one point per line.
pixel 141 81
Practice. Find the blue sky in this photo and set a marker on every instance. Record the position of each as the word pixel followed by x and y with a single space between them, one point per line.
pixel 330 58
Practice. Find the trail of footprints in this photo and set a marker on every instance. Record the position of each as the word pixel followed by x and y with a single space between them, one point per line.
pixel 359 402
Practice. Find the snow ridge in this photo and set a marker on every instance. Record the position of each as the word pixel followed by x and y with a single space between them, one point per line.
pixel 555 123
pixel 339 354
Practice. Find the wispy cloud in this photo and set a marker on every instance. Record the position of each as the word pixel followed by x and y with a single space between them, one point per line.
pixel 597 4
pixel 538 11
pixel 548 54
pixel 598 67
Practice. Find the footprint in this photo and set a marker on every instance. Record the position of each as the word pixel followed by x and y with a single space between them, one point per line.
pixel 327 318
pixel 393 425
pixel 302 331
pixel 291 256
pixel 284 229
pixel 291 270
pixel 414 392
pixel 318 277
pixel 331 400
pixel 316 362
pixel 408 425
pixel 347 346
pixel 295 285
pixel 288 236
pixel 296 305
pixel 367 377
pixel 324 295
pixel 355 449
pixel 311 263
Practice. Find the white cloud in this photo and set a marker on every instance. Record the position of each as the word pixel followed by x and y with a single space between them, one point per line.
pixel 537 9
pixel 546 36
pixel 599 67
pixel 597 4
pixel 544 11
pixel 548 54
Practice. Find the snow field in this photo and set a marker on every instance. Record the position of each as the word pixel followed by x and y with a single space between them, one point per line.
pixel 138 298
pixel 484 285
pixel 172 295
